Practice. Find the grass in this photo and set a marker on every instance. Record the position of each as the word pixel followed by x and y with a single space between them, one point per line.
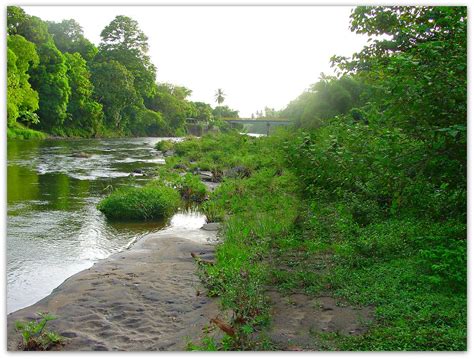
pixel 150 202
pixel 276 235
pixel 20 132
pixel 164 145
pixel 191 188
pixel 286 229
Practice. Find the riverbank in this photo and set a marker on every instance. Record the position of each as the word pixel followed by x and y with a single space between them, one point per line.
pixel 309 262
pixel 145 298
pixel 301 266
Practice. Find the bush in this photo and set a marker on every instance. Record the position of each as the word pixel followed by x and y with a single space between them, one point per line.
pixel 191 188
pixel 149 202
pixel 213 212
pixel 164 145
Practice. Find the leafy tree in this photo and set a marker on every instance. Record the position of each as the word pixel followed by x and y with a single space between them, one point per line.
pixel 420 77
pixel 22 100
pixel 201 111
pixel 171 101
pixel 225 112
pixel 30 27
pixel 15 17
pixel 424 55
pixel 85 116
pixel 49 78
pixel 123 41
pixel 220 96
pixel 148 123
pixel 69 37
pixel 114 89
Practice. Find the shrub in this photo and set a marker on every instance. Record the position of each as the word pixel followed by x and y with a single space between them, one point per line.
pixel 149 202
pixel 191 188
pixel 164 145
pixel 213 212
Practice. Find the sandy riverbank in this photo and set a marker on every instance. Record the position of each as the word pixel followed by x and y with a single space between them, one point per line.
pixel 145 298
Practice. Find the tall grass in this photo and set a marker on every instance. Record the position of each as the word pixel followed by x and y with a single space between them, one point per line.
pixel 20 132
pixel 149 202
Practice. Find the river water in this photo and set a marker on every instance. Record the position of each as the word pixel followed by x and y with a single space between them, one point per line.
pixel 53 227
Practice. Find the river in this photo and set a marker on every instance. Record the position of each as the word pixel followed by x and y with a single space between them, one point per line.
pixel 53 227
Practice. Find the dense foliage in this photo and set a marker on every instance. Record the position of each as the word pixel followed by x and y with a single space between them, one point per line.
pixel 62 84
pixel 378 165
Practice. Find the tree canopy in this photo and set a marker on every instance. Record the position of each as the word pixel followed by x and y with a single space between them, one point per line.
pixel 61 83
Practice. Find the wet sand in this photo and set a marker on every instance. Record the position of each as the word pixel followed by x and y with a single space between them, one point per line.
pixel 145 298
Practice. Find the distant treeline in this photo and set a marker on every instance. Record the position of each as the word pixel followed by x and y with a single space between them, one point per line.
pixel 62 84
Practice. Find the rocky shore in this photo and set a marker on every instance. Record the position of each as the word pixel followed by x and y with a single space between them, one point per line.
pixel 146 298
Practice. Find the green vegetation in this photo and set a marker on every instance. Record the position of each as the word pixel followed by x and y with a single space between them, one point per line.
pixel 365 202
pixel 164 145
pixel 62 84
pixel 191 188
pixel 34 335
pixel 149 202
pixel 20 132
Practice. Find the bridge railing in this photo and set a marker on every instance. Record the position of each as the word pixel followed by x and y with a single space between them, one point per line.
pixel 260 119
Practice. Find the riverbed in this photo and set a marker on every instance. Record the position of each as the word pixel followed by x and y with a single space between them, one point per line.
pixel 53 227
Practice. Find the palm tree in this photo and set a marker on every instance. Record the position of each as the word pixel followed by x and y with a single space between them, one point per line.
pixel 220 96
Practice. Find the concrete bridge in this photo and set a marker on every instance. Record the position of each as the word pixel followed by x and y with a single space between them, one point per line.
pixel 267 121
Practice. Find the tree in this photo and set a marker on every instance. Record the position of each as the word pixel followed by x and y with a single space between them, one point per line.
pixel 123 41
pixel 49 78
pixel 220 95
pixel 85 115
pixel 202 111
pixel 22 100
pixel 114 89
pixel 69 37
pixel 170 100
pixel 424 56
pixel 225 112
pixel 15 17
pixel 149 123
pixel 30 27
pixel 271 112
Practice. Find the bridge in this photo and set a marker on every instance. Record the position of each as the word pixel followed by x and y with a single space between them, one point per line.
pixel 267 121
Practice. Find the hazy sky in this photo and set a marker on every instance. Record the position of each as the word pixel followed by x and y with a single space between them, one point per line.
pixel 259 56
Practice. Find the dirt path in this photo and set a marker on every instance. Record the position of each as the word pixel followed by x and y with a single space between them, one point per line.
pixel 145 298
pixel 298 321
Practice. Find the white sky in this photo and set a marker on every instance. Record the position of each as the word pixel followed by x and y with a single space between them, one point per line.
pixel 259 56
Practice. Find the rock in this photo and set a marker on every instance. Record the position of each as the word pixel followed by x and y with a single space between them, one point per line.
pixel 206 175
pixel 180 166
pixel 169 153
pixel 211 186
pixel 137 173
pixel 81 155
pixel 213 226
pixel 238 172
